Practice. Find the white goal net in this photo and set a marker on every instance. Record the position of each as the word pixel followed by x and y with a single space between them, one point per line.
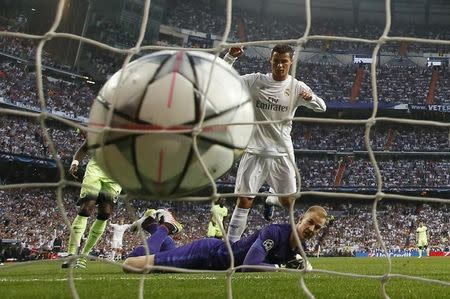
pixel 44 115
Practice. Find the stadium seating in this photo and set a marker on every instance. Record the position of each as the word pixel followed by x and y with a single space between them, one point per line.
pixel 33 217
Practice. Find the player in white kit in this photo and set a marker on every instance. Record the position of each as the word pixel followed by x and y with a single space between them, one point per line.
pixel 269 156
pixel 117 239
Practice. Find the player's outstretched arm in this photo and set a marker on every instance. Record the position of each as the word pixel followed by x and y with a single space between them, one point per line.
pixel 233 54
pixel 79 156
pixel 138 264
pixel 256 256
pixel 312 101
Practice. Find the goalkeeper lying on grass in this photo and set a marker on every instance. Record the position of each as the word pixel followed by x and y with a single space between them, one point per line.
pixel 271 246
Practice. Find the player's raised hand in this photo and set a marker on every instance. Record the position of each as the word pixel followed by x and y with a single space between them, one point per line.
pixel 306 95
pixel 73 170
pixel 236 51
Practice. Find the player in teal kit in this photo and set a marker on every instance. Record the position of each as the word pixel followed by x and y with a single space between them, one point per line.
pixel 272 245
pixel 218 212
pixel 97 190
pixel 422 239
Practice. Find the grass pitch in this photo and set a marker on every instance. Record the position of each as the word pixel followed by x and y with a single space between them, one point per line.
pixel 102 280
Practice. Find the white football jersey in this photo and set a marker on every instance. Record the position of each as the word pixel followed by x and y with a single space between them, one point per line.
pixel 119 230
pixel 272 101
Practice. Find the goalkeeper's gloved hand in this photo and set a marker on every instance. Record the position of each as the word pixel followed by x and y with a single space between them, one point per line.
pixel 134 228
pixel 295 264
pixel 298 263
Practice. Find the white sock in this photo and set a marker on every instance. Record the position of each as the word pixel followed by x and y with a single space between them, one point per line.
pixel 237 224
pixel 273 201
pixel 113 253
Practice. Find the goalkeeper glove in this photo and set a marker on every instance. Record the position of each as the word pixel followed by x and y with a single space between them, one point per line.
pixel 298 263
pixel 295 264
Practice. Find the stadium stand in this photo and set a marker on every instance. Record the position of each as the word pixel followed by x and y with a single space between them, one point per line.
pixel 326 153
pixel 23 212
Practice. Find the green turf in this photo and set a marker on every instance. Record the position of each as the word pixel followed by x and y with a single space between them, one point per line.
pixel 101 280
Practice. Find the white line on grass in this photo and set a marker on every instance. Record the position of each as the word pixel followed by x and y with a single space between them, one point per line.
pixel 175 277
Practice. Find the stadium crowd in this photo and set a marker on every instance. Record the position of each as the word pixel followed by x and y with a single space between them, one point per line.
pixel 401 81
pixel 343 138
pixel 32 217
pixel 396 84
pixel 22 136
pixel 23 48
pixel 18 87
pixel 193 15
pixel 397 173
pixel 352 231
pixel 359 173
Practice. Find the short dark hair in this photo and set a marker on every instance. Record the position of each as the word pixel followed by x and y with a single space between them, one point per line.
pixel 282 49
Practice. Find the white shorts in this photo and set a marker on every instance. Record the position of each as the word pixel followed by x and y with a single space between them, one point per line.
pixel 116 244
pixel 254 170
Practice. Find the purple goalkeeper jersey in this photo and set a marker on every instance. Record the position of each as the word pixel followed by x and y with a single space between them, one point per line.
pixel 267 246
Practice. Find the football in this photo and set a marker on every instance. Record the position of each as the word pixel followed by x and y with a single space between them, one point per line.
pixel 151 117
